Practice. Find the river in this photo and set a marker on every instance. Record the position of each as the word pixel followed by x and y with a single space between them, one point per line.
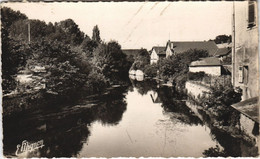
pixel 141 119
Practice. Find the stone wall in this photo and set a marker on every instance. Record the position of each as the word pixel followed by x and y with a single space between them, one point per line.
pixel 247 125
pixel 196 89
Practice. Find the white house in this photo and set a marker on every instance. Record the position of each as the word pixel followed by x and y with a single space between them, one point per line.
pixel 157 52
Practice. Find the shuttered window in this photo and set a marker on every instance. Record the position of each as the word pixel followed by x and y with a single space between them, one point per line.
pixel 251 14
pixel 243 74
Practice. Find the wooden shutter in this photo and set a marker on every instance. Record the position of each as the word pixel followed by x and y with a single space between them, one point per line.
pixel 251 14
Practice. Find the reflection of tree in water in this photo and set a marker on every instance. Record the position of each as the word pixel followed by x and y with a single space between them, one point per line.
pixel 232 146
pixel 144 86
pixel 110 110
pixel 173 103
pixel 61 132
pixel 64 131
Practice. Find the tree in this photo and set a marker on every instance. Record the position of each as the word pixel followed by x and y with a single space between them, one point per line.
pixel 14 56
pixel 179 64
pixel 88 45
pixel 8 17
pixel 141 60
pixel 20 29
pixel 151 70
pixel 96 34
pixel 110 59
pixel 64 74
pixel 223 39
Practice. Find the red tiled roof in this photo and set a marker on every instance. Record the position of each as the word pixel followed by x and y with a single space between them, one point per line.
pixel 182 46
pixel 209 61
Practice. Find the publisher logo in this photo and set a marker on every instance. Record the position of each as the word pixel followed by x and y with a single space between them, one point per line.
pixel 28 147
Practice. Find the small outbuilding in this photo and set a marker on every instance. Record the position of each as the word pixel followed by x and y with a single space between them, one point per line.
pixel 249 115
pixel 210 65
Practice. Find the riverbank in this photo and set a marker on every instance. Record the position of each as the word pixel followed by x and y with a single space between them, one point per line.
pixel 235 132
pixel 29 101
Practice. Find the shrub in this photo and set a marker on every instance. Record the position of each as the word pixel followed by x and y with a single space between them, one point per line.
pixel 215 152
pixel 219 102
pixel 196 76
pixel 151 70
pixel 222 95
pixel 96 82
pixel 178 65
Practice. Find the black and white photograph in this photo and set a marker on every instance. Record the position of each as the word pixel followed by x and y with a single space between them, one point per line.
pixel 130 79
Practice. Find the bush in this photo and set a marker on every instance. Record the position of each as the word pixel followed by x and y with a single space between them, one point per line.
pixel 96 82
pixel 151 70
pixel 222 95
pixel 178 65
pixel 141 60
pixel 196 76
pixel 215 152
pixel 219 102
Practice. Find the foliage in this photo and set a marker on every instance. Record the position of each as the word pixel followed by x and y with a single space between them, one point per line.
pixel 95 34
pixel 227 60
pixel 196 76
pixel 96 82
pixel 63 73
pixel 215 152
pixel 70 59
pixel 66 31
pixel 14 55
pixel 216 80
pixel 176 65
pixel 141 60
pixel 20 29
pixel 151 70
pixel 70 32
pixel 110 59
pixel 8 17
pixel 223 39
pixel 88 45
pixel 219 101
pixel 222 95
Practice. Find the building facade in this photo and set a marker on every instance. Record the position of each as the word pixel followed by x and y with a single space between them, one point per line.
pixel 157 52
pixel 245 72
pixel 210 66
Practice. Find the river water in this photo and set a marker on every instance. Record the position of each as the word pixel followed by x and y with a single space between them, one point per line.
pixel 140 119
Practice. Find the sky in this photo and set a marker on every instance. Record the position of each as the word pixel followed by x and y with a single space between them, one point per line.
pixel 138 25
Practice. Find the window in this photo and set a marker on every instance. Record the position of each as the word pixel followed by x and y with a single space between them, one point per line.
pixel 243 74
pixel 240 74
pixel 251 14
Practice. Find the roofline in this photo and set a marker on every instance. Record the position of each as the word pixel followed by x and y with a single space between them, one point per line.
pixel 204 65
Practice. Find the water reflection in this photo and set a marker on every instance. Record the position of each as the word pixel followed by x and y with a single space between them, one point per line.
pixel 142 119
pixel 230 144
pixel 65 130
